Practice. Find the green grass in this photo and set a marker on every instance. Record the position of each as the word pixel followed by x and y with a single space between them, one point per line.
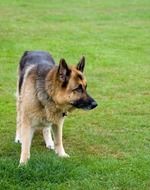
pixel 109 146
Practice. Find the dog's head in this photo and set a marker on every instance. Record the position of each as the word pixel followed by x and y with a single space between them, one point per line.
pixel 73 86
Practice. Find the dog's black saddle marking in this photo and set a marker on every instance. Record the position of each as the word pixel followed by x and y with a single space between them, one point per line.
pixel 43 61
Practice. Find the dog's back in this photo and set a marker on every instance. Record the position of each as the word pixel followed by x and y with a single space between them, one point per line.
pixel 41 59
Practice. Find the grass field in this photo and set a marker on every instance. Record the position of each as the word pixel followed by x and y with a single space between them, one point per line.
pixel 109 146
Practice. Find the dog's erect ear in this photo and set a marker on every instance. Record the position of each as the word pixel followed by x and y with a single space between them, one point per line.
pixel 81 64
pixel 63 71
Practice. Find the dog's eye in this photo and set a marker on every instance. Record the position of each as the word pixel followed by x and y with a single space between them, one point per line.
pixel 78 89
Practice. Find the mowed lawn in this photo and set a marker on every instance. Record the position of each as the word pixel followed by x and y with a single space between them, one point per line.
pixel 109 146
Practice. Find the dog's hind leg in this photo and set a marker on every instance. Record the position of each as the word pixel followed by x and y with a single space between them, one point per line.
pixel 48 137
pixel 18 126
pixel 27 132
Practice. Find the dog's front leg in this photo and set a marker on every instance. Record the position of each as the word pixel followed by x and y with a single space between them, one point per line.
pixel 48 138
pixel 26 137
pixel 57 133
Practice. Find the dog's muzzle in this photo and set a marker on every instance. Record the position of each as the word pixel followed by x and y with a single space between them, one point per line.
pixel 87 103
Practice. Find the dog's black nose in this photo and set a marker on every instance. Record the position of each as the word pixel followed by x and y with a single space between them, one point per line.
pixel 93 105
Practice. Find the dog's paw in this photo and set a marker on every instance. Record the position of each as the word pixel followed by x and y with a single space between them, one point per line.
pixel 64 155
pixel 61 153
pixel 17 140
pixel 59 150
pixel 22 164
pixel 50 145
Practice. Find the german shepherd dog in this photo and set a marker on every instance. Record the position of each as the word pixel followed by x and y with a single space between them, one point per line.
pixel 46 92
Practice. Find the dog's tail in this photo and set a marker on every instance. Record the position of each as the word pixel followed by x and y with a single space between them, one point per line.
pixel 22 61
pixel 21 67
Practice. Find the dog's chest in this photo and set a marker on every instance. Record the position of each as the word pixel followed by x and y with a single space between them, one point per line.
pixel 44 117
